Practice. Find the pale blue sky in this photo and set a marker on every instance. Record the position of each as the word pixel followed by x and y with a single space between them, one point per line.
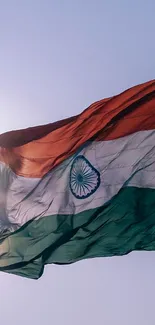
pixel 56 58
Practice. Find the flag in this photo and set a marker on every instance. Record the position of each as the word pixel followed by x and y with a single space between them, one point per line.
pixel 79 188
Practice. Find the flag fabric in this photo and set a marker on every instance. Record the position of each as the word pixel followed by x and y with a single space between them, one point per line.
pixel 80 188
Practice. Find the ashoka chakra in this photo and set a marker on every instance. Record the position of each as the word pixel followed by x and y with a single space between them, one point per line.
pixel 84 178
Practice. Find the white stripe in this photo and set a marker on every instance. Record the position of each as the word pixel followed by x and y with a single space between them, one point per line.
pixel 128 161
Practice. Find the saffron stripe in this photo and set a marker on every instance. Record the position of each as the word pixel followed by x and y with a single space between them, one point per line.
pixel 108 119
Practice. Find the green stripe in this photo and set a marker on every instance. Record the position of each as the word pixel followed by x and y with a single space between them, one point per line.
pixel 125 224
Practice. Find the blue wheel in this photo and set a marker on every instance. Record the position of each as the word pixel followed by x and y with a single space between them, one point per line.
pixel 84 178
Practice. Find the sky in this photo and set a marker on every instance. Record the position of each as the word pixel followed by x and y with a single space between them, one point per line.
pixel 56 58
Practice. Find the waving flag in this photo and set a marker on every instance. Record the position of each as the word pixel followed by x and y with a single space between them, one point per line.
pixel 80 188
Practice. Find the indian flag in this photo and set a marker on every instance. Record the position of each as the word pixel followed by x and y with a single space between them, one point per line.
pixel 80 188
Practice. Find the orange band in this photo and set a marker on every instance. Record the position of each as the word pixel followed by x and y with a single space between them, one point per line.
pixel 35 151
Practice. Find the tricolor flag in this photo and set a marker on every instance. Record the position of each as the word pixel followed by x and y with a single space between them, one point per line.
pixel 80 188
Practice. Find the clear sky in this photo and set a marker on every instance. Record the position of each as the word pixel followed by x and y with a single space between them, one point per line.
pixel 56 58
